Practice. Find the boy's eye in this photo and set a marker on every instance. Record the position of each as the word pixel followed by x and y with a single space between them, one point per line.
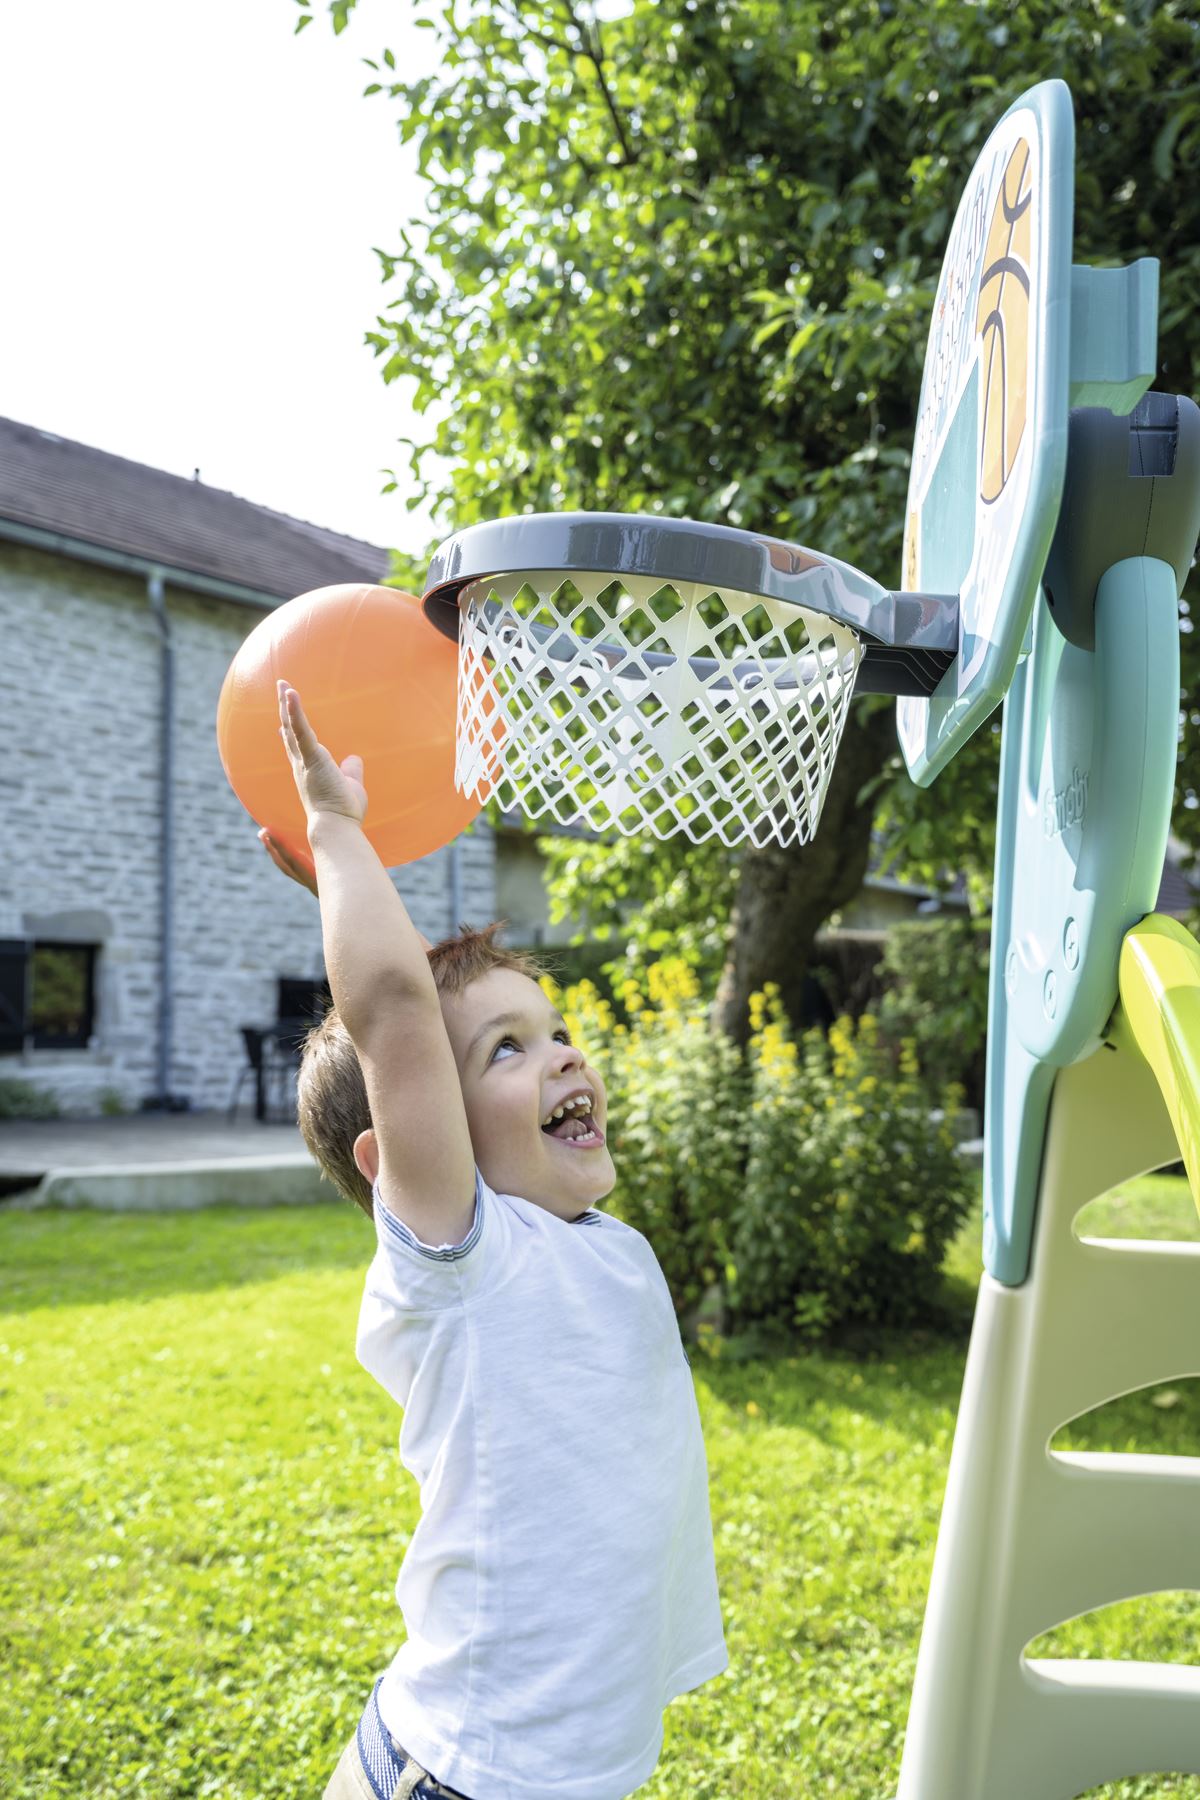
pixel 510 1046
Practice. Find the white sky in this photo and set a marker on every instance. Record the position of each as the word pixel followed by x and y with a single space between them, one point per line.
pixel 191 197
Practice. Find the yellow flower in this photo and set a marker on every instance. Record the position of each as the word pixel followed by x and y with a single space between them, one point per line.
pixel 671 982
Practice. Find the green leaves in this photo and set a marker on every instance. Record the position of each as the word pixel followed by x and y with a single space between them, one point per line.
pixel 649 896
pixel 937 971
pixel 680 258
pixel 1182 129
pixel 852 1190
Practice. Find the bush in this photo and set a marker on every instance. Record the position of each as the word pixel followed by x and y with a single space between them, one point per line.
pixel 852 1192
pixel 809 1183
pixel 575 965
pixel 937 995
pixel 675 1126
pixel 21 1100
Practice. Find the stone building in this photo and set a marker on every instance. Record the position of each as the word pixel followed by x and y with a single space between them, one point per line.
pixel 141 923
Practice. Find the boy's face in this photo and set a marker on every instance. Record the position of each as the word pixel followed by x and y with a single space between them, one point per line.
pixel 517 1066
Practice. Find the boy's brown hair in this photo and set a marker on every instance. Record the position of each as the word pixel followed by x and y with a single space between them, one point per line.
pixel 331 1095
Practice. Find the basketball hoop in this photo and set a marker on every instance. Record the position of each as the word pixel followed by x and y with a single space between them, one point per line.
pixel 643 674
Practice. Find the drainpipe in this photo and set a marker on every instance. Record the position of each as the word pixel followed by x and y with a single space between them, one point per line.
pixel 163 1100
pixel 456 917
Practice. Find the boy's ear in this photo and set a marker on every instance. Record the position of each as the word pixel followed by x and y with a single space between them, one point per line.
pixel 366 1154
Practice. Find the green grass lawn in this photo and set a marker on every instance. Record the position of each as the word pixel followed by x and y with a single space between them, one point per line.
pixel 202 1514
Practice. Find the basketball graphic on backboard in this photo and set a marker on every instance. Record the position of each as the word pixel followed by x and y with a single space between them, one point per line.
pixel 989 450
pixel 1002 321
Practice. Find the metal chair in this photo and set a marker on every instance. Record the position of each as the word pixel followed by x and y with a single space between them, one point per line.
pixel 272 1057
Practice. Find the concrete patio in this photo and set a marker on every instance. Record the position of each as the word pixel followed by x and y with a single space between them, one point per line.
pixel 156 1162
pixel 153 1162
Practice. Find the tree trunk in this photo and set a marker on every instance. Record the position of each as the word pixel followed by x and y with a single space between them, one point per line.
pixel 785 895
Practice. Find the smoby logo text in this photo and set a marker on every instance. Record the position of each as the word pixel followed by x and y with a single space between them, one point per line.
pixel 1066 806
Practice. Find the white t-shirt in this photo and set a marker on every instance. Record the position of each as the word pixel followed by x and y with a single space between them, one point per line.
pixel 560 1587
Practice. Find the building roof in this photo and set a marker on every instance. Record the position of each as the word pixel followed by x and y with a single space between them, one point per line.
pixel 52 486
pixel 1177 892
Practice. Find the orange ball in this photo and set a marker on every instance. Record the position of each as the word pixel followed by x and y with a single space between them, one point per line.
pixel 376 680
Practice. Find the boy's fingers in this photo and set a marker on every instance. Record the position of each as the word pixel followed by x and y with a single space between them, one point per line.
pixel 306 738
pixel 285 729
pixel 273 851
pixel 293 866
pixel 281 854
pixel 293 723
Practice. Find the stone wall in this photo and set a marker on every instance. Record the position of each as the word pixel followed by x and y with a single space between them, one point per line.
pixel 80 836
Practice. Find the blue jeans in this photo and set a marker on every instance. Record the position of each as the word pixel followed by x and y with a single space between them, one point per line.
pixel 374 1766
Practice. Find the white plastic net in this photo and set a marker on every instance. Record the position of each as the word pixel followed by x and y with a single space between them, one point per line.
pixel 627 704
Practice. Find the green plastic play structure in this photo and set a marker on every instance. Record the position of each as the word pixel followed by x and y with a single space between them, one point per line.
pixel 1093 1077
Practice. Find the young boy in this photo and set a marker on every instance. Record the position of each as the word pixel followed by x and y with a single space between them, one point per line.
pixel 560 1588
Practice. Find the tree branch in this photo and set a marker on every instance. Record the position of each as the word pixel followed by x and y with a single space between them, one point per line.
pixel 595 55
pixel 513 9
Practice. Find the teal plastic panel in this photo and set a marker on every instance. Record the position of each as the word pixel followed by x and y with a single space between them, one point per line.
pixel 999 350
pixel 1087 779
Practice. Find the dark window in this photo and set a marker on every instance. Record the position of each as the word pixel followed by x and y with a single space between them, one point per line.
pixel 300 997
pixel 47 995
pixel 302 1002
pixel 14 994
pixel 62 995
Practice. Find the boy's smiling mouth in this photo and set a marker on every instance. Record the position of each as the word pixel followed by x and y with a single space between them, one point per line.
pixel 571 1122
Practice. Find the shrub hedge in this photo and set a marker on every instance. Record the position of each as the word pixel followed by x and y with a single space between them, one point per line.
pixel 807 1181
pixel 936 972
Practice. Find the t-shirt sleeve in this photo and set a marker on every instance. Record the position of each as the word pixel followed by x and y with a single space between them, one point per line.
pixel 413 1290
pixel 410 1275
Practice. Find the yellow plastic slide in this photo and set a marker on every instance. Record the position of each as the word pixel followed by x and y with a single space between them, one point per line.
pixel 1160 994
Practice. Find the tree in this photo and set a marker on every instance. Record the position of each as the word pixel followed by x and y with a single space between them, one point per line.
pixel 680 257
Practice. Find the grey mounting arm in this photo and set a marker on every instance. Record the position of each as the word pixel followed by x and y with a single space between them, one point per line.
pixel 909 640
pixel 1132 489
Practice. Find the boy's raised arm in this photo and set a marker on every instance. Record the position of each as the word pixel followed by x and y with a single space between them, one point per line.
pixel 384 992
pixel 373 956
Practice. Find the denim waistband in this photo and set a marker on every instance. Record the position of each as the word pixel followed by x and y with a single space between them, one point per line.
pixel 384 1760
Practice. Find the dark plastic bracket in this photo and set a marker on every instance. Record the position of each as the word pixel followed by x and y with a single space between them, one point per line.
pixel 1132 489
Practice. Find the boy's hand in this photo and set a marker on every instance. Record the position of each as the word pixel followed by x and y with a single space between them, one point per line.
pixel 299 868
pixel 323 786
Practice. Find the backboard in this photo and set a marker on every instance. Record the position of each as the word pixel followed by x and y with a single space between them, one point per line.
pixel 989 453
